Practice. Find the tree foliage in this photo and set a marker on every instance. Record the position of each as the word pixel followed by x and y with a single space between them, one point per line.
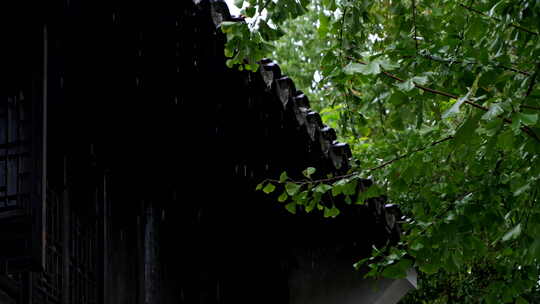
pixel 440 103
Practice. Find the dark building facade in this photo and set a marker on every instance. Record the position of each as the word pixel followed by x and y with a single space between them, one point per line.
pixel 129 155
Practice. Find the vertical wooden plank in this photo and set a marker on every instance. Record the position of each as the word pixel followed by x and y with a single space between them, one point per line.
pixel 66 236
pixel 140 254
pixel 105 241
pixel 37 201
pixel 44 143
pixel 103 257
pixel 3 153
pixel 151 260
pixel 26 288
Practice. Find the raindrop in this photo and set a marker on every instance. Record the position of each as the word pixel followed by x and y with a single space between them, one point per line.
pixel 199 215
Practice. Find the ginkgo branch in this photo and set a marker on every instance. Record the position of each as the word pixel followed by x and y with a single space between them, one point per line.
pixel 341 29
pixel 497 19
pixel 525 129
pixel 410 153
pixel 259 14
pixel 432 58
pixel 314 181
pixel 414 24
pixel 439 216
pixel 357 174
pixel 530 107
pixel 533 81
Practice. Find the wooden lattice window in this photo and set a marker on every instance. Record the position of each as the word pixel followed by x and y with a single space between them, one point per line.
pixel 20 201
pixel 15 156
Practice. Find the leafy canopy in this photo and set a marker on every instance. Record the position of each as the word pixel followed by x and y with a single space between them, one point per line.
pixel 440 103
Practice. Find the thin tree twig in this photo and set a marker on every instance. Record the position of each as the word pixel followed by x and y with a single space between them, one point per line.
pixel 414 24
pixel 381 117
pixel 529 91
pixel 433 58
pixel 461 38
pixel 441 214
pixel 530 107
pixel 410 153
pixel 533 81
pixel 498 19
pixel 259 13
pixel 341 32
pixel 513 70
pixel 314 181
pixel 340 177
pixel 525 129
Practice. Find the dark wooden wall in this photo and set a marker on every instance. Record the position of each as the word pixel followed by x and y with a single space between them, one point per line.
pixel 154 148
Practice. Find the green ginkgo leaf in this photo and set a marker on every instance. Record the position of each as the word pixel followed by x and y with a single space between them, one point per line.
pixel 269 188
pixel 292 188
pixel 512 234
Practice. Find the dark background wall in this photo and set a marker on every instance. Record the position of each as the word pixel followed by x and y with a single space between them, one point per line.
pixel 153 150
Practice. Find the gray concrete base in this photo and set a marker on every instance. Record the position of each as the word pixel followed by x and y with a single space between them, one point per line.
pixel 5 299
pixel 329 281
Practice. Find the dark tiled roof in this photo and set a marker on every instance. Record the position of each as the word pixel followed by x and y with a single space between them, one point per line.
pixel 320 142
